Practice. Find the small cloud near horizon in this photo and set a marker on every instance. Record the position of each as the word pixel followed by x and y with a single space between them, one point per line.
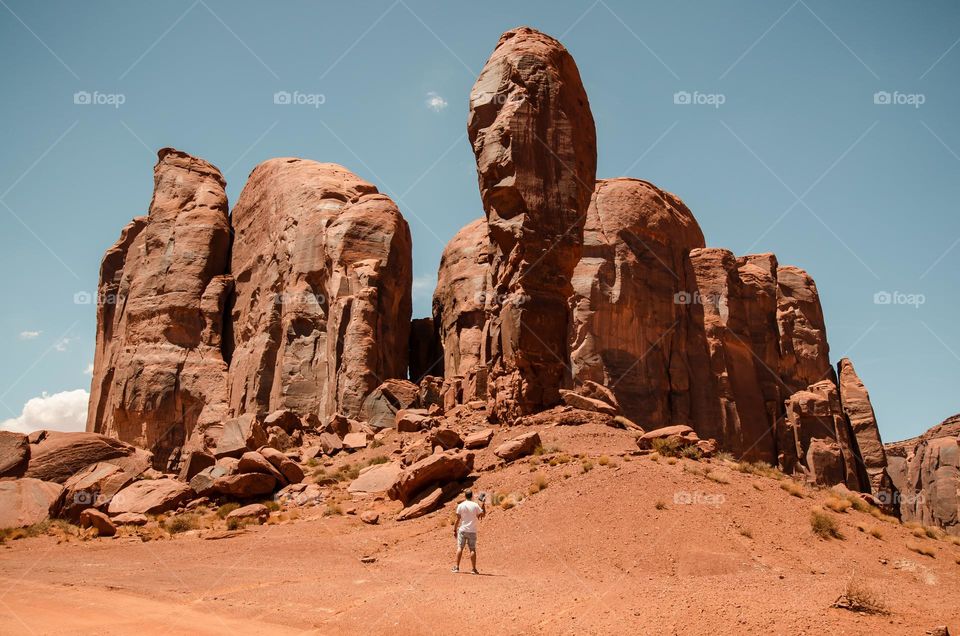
pixel 88 370
pixel 65 411
pixel 30 335
pixel 435 102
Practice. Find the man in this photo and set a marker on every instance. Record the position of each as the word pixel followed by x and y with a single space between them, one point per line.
pixel 465 529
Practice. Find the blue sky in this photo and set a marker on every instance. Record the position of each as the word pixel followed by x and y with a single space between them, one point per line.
pixel 798 159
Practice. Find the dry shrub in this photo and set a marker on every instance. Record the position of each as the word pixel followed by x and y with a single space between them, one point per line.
pixel 794 489
pixel 692 452
pixel 824 526
pixel 181 523
pixel 587 466
pixel 604 460
pixel 746 532
pixel 859 597
pixel 720 479
pixel 226 509
pixel 667 446
pixel 837 504
pixel 539 483
pixel 921 549
pixel 660 505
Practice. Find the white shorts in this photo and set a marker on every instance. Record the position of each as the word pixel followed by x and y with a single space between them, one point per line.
pixel 470 538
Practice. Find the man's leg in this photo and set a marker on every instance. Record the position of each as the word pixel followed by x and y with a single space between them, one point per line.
pixel 459 551
pixel 473 558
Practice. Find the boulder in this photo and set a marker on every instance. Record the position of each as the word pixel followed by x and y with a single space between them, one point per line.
pixel 291 471
pixel 381 406
pixel 254 462
pixel 93 487
pixel 245 485
pixel 437 469
pixel 683 435
pixel 59 455
pixel 203 482
pixel 330 443
pixel 355 441
pixel 445 438
pixel 130 519
pixel 322 306
pixel 14 454
pixel 300 495
pixel 518 446
pixel 377 479
pixel 479 439
pixel 585 403
pixel 239 435
pixel 413 420
pixel 415 452
pixel 421 505
pixel 283 418
pixel 370 517
pixel 151 496
pixel 253 513
pixel 24 502
pixel 159 375
pixel 534 140
pixel 93 518
pixel 193 462
pixel 824 461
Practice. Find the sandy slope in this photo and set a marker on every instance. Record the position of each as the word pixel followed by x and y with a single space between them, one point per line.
pixel 591 554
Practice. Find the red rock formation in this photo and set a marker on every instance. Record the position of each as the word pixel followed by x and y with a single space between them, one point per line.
pixel 463 304
pixel 534 139
pixel 158 370
pixel 632 322
pixel 323 267
pixel 863 423
pixel 925 471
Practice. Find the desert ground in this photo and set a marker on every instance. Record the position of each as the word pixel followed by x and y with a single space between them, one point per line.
pixel 615 542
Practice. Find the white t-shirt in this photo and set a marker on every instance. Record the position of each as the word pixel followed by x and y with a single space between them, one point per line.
pixel 469 511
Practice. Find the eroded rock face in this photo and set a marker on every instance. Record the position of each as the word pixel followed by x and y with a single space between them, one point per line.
pixel 863 423
pixel 534 139
pixel 821 437
pixel 926 473
pixel 158 369
pixel 322 307
pixel 632 303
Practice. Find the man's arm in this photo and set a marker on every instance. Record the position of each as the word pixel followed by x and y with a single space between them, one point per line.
pixel 456 525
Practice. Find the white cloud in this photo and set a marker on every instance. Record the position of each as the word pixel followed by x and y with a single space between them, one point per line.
pixel 61 344
pixel 30 335
pixel 64 411
pixel 435 102
pixel 88 370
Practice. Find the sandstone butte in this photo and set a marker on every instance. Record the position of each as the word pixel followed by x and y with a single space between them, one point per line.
pixel 299 299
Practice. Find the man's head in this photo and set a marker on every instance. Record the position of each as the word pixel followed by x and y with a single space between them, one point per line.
pixel 468 494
